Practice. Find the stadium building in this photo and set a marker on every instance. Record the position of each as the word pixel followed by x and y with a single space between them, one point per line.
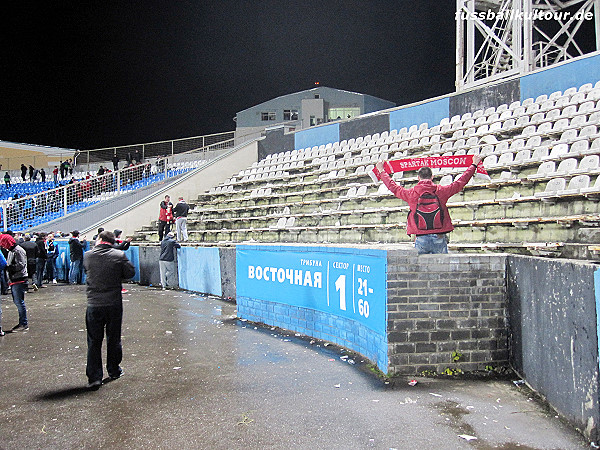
pixel 306 109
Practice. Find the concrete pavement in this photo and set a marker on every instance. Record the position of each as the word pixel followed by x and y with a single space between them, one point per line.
pixel 195 377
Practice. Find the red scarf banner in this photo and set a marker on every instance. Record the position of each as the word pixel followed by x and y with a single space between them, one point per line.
pixel 433 162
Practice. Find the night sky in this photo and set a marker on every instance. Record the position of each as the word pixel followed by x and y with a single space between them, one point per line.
pixel 96 74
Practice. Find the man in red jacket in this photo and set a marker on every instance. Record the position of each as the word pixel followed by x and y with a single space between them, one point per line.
pixel 165 217
pixel 428 218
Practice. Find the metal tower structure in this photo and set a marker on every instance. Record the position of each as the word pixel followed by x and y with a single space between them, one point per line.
pixel 500 38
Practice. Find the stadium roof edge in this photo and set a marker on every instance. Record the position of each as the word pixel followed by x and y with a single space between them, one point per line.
pixel 316 88
pixel 35 147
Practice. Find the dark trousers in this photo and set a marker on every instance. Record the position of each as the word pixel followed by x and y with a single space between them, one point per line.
pixel 31 268
pixel 163 228
pixel 50 269
pixel 97 319
pixel 3 282
pixel 40 265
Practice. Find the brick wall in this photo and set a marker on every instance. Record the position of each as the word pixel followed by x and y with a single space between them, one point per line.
pixel 438 304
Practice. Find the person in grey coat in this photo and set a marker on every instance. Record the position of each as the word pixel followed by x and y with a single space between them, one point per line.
pixel 166 260
pixel 106 268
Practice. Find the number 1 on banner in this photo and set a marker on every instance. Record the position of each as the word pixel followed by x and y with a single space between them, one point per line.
pixel 340 285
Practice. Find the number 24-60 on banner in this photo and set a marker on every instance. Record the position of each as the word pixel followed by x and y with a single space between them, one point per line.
pixel 344 284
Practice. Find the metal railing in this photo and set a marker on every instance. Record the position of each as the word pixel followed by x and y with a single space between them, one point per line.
pixel 25 210
pixel 142 152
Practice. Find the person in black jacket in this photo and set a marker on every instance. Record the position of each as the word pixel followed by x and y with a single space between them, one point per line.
pixel 29 247
pixel 52 252
pixel 76 254
pixel 180 212
pixel 166 260
pixel 106 268
pixel 115 161
pixel 41 255
pixel 121 244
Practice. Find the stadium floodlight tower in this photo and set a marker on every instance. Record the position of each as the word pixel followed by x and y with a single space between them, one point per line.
pixel 500 38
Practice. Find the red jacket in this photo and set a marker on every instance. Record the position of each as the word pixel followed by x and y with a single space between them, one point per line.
pixel 165 213
pixel 412 195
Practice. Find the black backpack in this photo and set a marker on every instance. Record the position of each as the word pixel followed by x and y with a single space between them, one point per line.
pixel 429 214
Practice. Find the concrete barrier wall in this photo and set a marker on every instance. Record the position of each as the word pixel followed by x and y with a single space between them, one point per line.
pixel 484 97
pixel 275 141
pixel 200 270
pixel 553 334
pixel 431 112
pixel 207 270
pixel 373 123
pixel 149 270
pixel 560 78
pixel 317 136
pixel 331 293
pixel 228 261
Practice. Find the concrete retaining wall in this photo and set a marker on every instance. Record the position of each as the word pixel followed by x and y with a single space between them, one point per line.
pixel 553 334
pixel 149 271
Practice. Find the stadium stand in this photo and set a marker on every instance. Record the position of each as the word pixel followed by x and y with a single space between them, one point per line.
pixel 541 154
pixel 27 205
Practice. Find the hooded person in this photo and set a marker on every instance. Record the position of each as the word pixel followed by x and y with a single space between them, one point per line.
pixel 121 244
pixel 16 266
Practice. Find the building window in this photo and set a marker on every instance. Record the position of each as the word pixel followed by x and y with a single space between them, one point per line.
pixel 264 116
pixel 343 113
pixel 290 114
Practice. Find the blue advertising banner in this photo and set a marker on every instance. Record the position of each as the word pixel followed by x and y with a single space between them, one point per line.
pixel 133 254
pixel 63 260
pixel 346 282
pixel 200 270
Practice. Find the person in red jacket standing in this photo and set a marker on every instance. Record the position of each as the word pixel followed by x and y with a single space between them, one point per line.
pixel 428 218
pixel 165 217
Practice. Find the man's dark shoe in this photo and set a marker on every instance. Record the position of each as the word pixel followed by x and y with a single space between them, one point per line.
pixel 94 385
pixel 116 376
pixel 19 327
